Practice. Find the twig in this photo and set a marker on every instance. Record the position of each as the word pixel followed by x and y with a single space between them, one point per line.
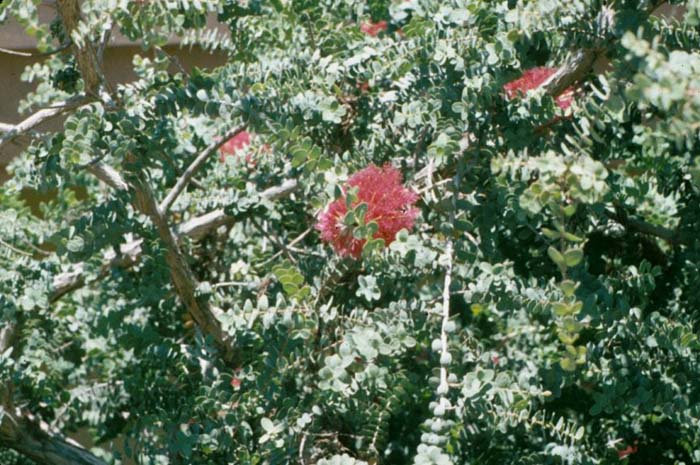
pixel 14 130
pixel 641 226
pixel 15 249
pixel 174 60
pixel 302 446
pixel 433 185
pixel 289 246
pixel 36 55
pixel 283 248
pixel 251 284
pixel 194 166
pixel 103 44
pixel 375 435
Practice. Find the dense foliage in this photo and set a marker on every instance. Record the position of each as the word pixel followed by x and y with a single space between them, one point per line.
pixel 519 261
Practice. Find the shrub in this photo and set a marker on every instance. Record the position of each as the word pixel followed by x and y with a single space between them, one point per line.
pixel 414 272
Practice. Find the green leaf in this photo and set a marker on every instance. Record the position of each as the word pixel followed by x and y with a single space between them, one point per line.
pixel 561 308
pixel 550 234
pixel 556 257
pixel 568 287
pixel 371 246
pixel 299 156
pixel 567 364
pixel 368 288
pixel 569 210
pixel 463 225
pixel 349 218
pixel 572 257
pixel 572 237
pixel 75 244
pixel 267 425
pixel 360 211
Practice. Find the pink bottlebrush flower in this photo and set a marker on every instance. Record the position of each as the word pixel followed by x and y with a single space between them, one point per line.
pixel 389 204
pixel 234 144
pixel 373 29
pixel 534 78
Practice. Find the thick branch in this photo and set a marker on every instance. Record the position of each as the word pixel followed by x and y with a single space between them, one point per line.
pixel 575 68
pixel 85 54
pixel 580 62
pixel 192 169
pixel 30 439
pixel 21 433
pixel 180 273
pixel 108 175
pixel 182 277
pixel 64 283
pixel 198 227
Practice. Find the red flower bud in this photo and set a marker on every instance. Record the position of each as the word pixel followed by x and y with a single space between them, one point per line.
pixel 373 29
pixel 629 450
pixel 363 86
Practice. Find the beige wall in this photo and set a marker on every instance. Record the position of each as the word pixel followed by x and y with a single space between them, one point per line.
pixel 118 68
pixel 117 64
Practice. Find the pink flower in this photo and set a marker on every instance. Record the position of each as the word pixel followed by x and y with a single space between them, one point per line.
pixel 234 144
pixel 372 29
pixel 534 78
pixel 389 204
pixel 629 450
pixel 235 380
